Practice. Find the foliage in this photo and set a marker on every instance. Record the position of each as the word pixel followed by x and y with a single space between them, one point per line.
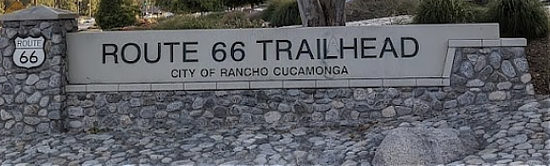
pixel 519 18
pixel 116 13
pixel 190 6
pixel 15 6
pixel 234 20
pixel 445 11
pixel 368 9
pixel 237 3
pixel 283 13
pixel 89 7
pixel 211 21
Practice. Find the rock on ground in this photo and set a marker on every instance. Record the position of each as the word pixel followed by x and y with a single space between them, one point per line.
pixel 423 146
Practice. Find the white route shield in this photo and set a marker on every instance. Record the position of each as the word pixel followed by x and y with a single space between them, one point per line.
pixel 29 52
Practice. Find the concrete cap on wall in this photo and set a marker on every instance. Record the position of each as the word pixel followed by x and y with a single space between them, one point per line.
pixel 39 13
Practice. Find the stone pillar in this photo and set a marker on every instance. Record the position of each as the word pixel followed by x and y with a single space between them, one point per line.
pixel 32 98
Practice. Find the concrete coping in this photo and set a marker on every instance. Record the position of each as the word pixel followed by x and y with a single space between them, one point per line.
pixel 40 12
pixel 504 42
pixel 246 85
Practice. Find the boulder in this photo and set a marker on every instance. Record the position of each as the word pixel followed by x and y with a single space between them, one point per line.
pixel 424 146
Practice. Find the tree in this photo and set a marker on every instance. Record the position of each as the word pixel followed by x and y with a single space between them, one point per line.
pixel 115 13
pixel 68 5
pixel 322 12
pixel 89 7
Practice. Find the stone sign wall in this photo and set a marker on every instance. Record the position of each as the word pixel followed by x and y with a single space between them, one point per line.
pixel 479 75
pixel 40 100
pixel 33 100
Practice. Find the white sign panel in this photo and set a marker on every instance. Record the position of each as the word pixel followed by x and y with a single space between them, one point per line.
pixel 29 52
pixel 251 55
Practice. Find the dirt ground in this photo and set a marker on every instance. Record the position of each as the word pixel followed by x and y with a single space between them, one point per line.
pixel 538 55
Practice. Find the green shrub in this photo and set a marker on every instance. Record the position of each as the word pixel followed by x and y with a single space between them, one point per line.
pixel 233 20
pixel 519 18
pixel 185 22
pixel 212 21
pixel 283 13
pixel 368 9
pixel 115 13
pixel 445 11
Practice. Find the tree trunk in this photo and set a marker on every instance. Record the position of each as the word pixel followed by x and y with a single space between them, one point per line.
pixel 322 12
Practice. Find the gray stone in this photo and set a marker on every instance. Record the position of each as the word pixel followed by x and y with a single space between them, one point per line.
pixel 332 115
pixel 55 115
pixel 42 84
pixel 175 106
pixel 526 78
pixel 467 69
pixel 272 117
pixel 32 79
pixel 43 127
pixel 34 98
pixel 466 98
pixel 472 57
pixel 11 32
pixel 20 98
pixel 401 111
pixel 55 81
pixel 450 104
pixel 546 126
pixel 480 63
pixel 498 96
pixel 44 101
pixel 43 113
pixel 57 38
pixel 5 115
pixel 57 49
pixel 521 64
pixel 198 103
pixel 475 83
pixel 486 72
pixel 349 163
pixel 321 107
pixel 504 85
pixel 482 98
pixel 423 146
pixel 9 124
pixel 135 102
pixel 147 112
pixel 4 42
pixel 75 112
pixel 17 115
pixel 45 149
pixel 75 124
pixel 161 114
pixel 8 52
pixel 44 25
pixel 360 94
pixel 508 69
pixel 284 107
pixel 530 89
pixel 533 106
pixel 524 146
pixel 388 112
pixel 31 120
pixel 518 139
pixel 317 116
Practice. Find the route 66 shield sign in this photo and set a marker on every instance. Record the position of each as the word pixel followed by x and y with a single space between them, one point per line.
pixel 29 52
